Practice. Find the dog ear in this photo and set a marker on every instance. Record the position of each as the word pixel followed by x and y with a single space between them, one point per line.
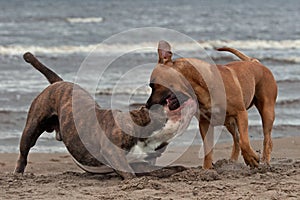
pixel 164 52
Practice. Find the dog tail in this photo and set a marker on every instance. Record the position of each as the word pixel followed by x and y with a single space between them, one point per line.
pixel 238 54
pixel 51 76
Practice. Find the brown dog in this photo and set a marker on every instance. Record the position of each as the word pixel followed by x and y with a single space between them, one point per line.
pixel 100 140
pixel 246 83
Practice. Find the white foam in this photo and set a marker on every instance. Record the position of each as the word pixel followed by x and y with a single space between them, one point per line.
pixel 252 44
pixel 20 49
pixel 292 59
pixel 151 47
pixel 85 19
pixel 124 91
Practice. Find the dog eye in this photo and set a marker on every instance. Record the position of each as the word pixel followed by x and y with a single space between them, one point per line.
pixel 151 85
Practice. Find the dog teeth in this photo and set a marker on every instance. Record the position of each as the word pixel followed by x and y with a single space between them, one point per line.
pixel 168 102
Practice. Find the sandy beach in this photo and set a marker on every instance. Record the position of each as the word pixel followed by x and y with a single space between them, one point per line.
pixel 109 48
pixel 55 176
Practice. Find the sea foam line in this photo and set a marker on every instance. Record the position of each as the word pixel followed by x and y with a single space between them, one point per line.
pixel 85 19
pixel 252 44
pixel 149 47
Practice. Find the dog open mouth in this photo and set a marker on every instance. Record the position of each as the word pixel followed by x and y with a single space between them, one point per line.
pixel 179 107
pixel 174 100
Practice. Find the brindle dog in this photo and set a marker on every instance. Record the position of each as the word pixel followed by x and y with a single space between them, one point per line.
pixel 99 140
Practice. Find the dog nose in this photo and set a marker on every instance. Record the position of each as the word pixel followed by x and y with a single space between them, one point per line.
pixel 149 103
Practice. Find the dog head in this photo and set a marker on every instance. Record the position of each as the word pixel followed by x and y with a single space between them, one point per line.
pixel 169 86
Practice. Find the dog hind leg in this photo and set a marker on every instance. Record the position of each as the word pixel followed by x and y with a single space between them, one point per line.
pixel 249 155
pixel 29 137
pixel 267 113
pixel 36 124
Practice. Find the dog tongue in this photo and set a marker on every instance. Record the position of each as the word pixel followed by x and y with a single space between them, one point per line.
pixel 172 109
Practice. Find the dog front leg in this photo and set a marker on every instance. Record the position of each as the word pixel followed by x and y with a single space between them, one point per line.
pixel 207 134
pixel 233 129
pixel 119 163
pixel 115 157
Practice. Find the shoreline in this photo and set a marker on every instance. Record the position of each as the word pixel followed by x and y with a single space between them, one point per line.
pixel 189 156
pixel 48 144
pixel 55 175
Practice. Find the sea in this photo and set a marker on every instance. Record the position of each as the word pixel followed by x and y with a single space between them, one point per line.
pixel 109 48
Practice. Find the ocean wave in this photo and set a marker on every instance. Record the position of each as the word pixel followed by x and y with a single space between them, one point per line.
pixel 123 91
pixel 289 102
pixel 20 49
pixel 289 81
pixel 150 47
pixel 85 19
pixel 252 44
pixel 147 92
pixel 285 60
pixel 287 129
pixel 13 110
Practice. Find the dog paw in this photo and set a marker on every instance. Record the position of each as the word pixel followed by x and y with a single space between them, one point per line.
pixel 208 164
pixel 264 163
pixel 17 173
pixel 19 170
pixel 126 175
pixel 265 160
pixel 250 158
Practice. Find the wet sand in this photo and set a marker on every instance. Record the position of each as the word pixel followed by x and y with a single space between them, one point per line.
pixel 55 176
